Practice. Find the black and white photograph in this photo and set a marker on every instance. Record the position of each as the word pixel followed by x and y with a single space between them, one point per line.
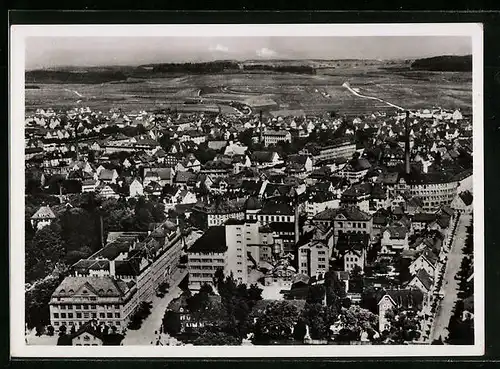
pixel 247 190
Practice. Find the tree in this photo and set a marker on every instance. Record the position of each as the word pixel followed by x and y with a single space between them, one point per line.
pixel 171 323
pixel 335 289
pixel 300 330
pixel 43 252
pixel 404 326
pixel 356 283
pixel 319 318
pixel 316 294
pixel 276 322
pixel 216 339
pixel 50 331
pixel 461 331
pixel 369 300
pixel 357 320
pixel 37 302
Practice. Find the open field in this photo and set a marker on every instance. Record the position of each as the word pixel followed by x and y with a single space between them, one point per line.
pixel 270 91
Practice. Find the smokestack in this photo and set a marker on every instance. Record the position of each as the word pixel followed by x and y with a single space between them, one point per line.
pixel 112 271
pixel 260 131
pixel 296 220
pixel 76 143
pixel 101 230
pixel 407 143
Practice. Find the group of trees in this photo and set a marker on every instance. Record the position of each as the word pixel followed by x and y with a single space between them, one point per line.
pixel 141 313
pixel 302 69
pixel 76 234
pixel 461 327
pixel 109 335
pixel 223 318
pixel 405 326
pixel 36 307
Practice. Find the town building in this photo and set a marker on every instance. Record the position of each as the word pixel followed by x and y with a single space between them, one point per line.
pixel 42 218
pixel 273 137
pixel 109 285
pixel 340 149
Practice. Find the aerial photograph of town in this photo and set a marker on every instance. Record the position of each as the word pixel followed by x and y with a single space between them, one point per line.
pixel 248 191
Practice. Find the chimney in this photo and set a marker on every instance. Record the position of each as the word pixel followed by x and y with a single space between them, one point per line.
pixel 296 222
pixel 407 143
pixel 101 230
pixel 112 272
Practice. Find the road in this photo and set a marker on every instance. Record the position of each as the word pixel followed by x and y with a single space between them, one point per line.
pixel 146 334
pixel 356 93
pixel 450 285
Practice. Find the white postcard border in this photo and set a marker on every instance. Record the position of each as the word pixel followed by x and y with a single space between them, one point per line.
pixel 18 34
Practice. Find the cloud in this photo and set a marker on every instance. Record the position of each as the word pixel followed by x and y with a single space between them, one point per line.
pixel 266 53
pixel 220 48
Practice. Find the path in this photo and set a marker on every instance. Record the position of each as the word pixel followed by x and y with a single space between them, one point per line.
pixel 346 85
pixel 146 334
pixel 450 285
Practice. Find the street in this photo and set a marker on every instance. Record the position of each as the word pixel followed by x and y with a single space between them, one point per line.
pixel 146 334
pixel 450 285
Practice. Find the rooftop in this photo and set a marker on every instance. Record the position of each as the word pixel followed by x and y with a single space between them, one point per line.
pixel 213 240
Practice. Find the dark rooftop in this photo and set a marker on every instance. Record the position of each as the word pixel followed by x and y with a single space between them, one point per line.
pixel 213 240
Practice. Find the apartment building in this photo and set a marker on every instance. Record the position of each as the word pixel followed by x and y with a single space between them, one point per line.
pixel 235 247
pixel 314 254
pixel 273 137
pixel 109 285
pixel 346 219
pixel 210 215
pixel 206 255
pixel 435 189
pixel 340 149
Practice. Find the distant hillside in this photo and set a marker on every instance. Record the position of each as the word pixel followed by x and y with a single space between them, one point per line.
pixel 83 77
pixel 446 63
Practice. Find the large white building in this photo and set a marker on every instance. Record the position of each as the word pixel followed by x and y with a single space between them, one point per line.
pixel 109 285
pixel 273 137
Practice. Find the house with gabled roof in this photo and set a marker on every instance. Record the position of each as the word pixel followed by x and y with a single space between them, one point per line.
pixel 401 299
pixel 394 239
pixel 42 218
pixel 427 260
pixel 421 280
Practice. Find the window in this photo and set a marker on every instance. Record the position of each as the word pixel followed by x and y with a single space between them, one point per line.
pixel 102 315
pixel 109 315
pixel 85 307
pixel 78 307
pixel 56 323
pixel 94 315
pixel 117 323
pixel 117 306
pixel 240 271
pixel 303 264
pixel 117 315
pixel 63 315
pixel 86 315
pixel 70 315
pixel 93 307
pixel 63 307
pixel 56 315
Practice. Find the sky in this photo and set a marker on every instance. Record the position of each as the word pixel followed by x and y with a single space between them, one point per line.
pixel 47 52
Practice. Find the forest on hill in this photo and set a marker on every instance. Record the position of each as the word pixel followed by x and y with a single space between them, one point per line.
pixel 446 63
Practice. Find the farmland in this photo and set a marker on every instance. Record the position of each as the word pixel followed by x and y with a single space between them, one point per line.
pixel 267 91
